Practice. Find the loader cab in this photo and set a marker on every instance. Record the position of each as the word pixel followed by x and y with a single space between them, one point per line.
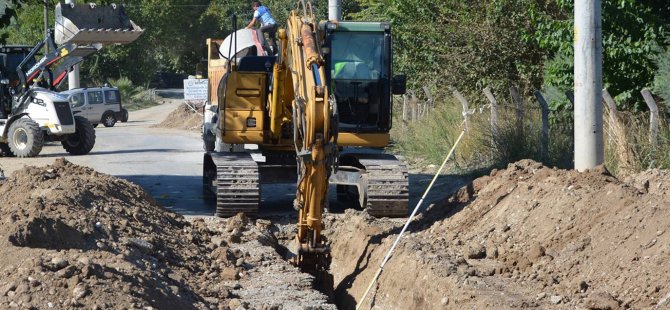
pixel 10 58
pixel 359 73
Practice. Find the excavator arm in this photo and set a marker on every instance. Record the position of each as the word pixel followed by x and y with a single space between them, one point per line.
pixel 314 120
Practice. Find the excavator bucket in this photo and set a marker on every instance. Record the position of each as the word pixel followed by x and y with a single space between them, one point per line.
pixel 85 24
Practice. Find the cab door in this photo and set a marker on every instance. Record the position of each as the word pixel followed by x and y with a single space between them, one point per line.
pixel 78 104
pixel 96 106
pixel 112 100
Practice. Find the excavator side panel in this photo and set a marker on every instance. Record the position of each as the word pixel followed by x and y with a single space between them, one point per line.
pixel 216 68
pixel 243 107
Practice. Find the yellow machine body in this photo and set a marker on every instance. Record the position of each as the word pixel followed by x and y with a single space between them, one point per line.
pixel 284 106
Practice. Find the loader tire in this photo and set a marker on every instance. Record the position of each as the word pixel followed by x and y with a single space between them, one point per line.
pixel 5 151
pixel 25 138
pixel 82 141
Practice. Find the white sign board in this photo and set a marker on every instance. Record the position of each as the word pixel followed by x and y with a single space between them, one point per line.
pixel 195 89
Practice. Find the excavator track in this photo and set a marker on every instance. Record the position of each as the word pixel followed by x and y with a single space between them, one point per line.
pixel 233 179
pixel 387 185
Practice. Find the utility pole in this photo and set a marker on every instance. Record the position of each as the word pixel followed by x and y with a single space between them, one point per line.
pixel 588 117
pixel 335 10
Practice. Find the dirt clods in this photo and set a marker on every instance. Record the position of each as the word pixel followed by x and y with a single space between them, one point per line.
pixel 526 236
pixel 74 238
pixel 186 116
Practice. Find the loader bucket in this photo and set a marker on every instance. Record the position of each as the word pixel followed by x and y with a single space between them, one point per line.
pixel 85 24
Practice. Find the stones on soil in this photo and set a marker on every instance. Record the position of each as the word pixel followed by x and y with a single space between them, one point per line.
pixel 75 238
pixel 524 237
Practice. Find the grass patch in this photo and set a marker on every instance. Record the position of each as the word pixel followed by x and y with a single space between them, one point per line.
pixel 428 140
pixel 627 145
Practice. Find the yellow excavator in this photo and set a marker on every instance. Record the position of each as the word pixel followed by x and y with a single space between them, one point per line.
pixel 321 107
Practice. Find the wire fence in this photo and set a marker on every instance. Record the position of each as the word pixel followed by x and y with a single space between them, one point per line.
pixel 536 109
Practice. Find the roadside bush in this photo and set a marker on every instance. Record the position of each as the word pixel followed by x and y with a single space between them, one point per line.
pixel 134 97
pixel 627 146
pixel 428 140
pixel 662 77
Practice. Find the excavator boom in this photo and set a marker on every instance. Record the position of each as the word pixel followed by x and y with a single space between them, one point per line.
pixel 315 141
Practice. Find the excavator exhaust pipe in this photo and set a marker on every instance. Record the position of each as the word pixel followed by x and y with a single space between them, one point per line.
pixel 85 24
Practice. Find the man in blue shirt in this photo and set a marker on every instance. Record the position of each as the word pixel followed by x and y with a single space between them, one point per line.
pixel 268 24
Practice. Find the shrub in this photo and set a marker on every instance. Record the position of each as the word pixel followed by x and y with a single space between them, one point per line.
pixel 134 97
pixel 662 77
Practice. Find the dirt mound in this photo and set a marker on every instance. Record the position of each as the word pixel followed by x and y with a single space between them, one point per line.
pixel 527 236
pixel 72 237
pixel 185 116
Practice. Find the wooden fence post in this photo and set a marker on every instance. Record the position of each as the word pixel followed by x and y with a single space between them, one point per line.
pixel 544 150
pixel 653 116
pixel 464 102
pixel 494 109
pixel 430 102
pixel 611 105
pixel 611 108
pixel 519 108
pixel 414 105
pixel 405 102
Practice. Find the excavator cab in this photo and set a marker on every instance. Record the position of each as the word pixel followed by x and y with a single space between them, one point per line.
pixel 359 69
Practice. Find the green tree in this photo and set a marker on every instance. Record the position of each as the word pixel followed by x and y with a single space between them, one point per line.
pixel 632 30
pixel 468 45
pixel 7 14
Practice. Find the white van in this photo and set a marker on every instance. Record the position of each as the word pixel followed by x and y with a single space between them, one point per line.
pixel 100 105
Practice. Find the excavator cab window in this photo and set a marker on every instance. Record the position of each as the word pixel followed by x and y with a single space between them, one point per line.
pixel 359 70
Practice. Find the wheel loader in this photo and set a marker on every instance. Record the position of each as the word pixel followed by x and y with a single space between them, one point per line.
pixel 32 111
pixel 318 113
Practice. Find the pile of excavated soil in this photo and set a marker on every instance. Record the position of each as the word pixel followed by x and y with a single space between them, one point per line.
pixel 527 236
pixel 74 238
pixel 185 116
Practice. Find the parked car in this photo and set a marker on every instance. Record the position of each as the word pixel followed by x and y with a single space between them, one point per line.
pixel 100 105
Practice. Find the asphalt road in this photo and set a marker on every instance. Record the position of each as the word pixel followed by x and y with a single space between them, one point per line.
pixel 168 164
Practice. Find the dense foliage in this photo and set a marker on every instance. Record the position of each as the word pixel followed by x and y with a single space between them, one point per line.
pixel 632 31
pixel 174 38
pixel 468 45
pixel 662 78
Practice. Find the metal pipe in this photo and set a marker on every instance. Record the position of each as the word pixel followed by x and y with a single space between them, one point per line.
pixel 588 120
pixel 335 10
pixel 46 23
